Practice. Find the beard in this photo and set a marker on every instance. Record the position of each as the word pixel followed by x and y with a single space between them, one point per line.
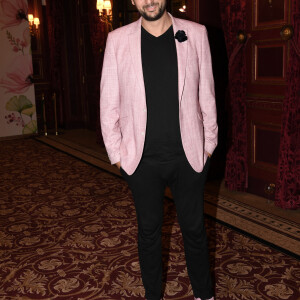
pixel 161 11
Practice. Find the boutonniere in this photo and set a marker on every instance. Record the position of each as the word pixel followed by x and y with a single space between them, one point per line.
pixel 180 36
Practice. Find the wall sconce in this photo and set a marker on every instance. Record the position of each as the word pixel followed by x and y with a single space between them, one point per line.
pixel 105 12
pixel 183 9
pixel 33 24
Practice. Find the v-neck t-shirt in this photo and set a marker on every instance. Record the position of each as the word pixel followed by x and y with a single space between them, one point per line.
pixel 160 71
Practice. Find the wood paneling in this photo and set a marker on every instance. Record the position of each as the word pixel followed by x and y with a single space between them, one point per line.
pixel 264 126
pixel 266 63
pixel 267 60
pixel 265 68
pixel 266 139
pixel 269 13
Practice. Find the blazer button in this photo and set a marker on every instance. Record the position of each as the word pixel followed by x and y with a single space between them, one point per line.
pixel 143 133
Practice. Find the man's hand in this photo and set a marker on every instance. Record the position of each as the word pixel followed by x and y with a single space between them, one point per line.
pixel 208 154
pixel 118 164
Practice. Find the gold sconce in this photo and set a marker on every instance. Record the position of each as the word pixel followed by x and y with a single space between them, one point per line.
pixel 183 9
pixel 287 32
pixel 105 12
pixel 33 24
pixel 241 37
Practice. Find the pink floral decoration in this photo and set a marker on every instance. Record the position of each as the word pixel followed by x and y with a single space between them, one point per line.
pixel 12 118
pixel 21 78
pixel 17 44
pixel 12 12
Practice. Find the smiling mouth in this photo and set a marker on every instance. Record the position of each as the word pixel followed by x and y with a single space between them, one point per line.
pixel 151 7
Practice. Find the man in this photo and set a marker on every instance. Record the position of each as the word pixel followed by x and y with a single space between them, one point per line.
pixel 158 120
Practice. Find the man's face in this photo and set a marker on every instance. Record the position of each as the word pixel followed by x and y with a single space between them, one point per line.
pixel 150 10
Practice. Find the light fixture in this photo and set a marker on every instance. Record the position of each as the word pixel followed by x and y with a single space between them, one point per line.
pixel 107 5
pixel 183 9
pixel 33 24
pixel 105 12
pixel 30 19
pixel 100 5
pixel 36 22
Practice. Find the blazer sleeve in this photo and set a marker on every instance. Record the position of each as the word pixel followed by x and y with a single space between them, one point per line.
pixel 110 103
pixel 207 96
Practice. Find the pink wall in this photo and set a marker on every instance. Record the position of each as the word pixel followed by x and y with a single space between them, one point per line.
pixel 17 99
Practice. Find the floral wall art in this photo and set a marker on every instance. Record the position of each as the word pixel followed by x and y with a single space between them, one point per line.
pixel 17 98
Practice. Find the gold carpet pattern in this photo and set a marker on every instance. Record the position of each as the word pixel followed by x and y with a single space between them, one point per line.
pixel 268 223
pixel 68 231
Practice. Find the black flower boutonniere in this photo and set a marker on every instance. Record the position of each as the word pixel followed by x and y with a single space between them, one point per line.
pixel 180 36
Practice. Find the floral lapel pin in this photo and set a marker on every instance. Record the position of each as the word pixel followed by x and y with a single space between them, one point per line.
pixel 180 36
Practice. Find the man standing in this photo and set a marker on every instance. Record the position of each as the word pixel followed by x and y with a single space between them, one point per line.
pixel 158 120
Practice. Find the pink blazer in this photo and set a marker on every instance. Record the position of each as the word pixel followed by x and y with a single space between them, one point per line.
pixel 123 110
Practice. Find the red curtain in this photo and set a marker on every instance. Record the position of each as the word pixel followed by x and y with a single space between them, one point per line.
pixel 98 33
pixel 233 20
pixel 54 12
pixel 288 179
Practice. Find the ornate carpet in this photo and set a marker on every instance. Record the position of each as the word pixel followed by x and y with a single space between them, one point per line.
pixel 68 231
pixel 280 228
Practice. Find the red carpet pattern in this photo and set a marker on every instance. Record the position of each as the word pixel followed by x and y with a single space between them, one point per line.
pixel 68 231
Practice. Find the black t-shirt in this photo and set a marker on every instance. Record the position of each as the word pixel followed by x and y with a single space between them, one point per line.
pixel 160 70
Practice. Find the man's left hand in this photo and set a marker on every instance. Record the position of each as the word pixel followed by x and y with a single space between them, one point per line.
pixel 208 154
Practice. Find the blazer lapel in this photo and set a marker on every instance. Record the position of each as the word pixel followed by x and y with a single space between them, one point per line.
pixel 134 40
pixel 182 54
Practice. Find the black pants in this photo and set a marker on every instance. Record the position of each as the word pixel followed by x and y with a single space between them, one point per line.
pixel 148 184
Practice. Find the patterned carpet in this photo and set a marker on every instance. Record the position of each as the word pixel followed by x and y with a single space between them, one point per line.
pixel 251 214
pixel 68 231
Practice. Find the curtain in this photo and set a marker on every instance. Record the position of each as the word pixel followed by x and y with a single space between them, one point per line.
pixel 234 19
pixel 54 12
pixel 98 33
pixel 287 194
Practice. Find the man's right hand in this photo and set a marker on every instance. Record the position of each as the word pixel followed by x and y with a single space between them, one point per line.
pixel 118 164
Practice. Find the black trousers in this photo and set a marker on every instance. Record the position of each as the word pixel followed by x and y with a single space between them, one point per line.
pixel 148 184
